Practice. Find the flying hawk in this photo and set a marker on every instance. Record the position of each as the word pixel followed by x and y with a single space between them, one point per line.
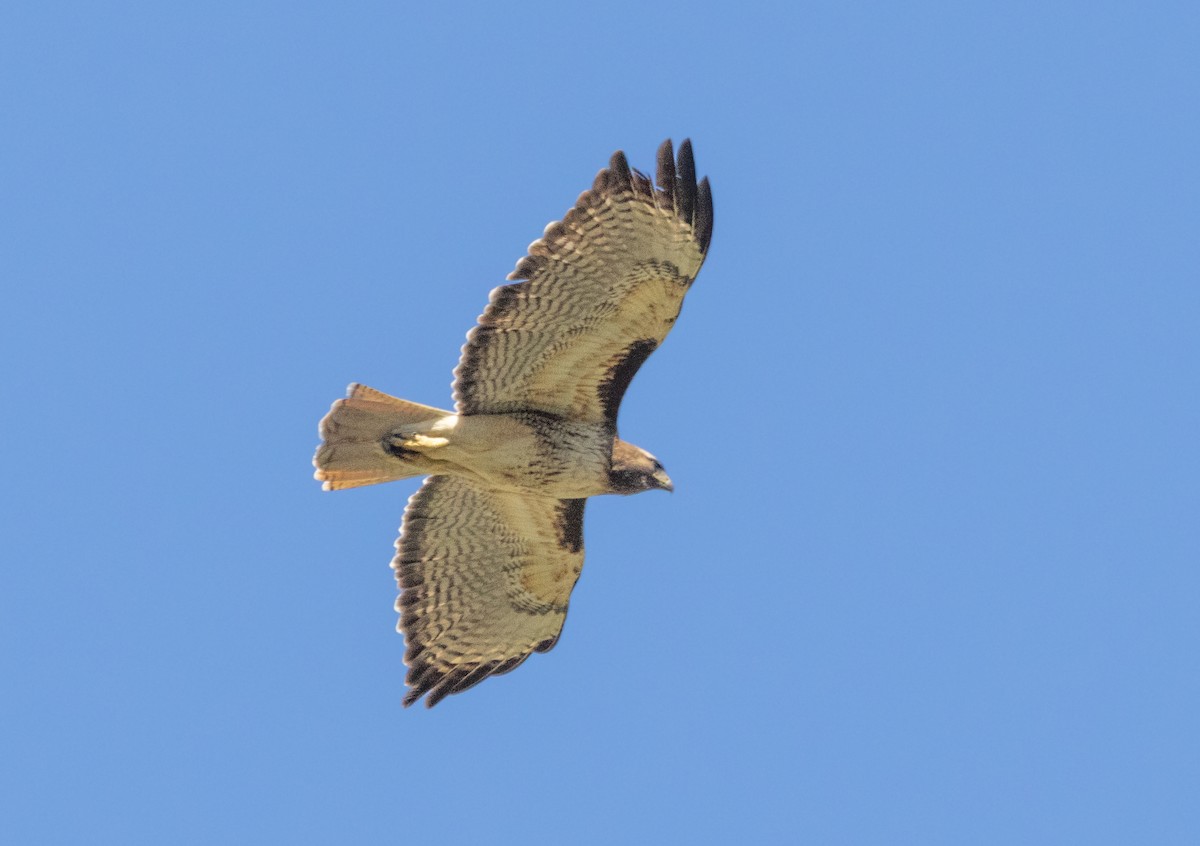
pixel 492 543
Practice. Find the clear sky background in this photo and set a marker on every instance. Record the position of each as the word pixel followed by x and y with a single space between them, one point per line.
pixel 932 569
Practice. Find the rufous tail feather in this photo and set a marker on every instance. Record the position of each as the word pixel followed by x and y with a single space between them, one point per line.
pixel 352 451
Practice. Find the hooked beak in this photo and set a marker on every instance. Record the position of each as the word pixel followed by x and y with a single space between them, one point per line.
pixel 662 480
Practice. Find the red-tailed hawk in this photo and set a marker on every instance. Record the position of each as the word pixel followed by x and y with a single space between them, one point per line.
pixel 492 543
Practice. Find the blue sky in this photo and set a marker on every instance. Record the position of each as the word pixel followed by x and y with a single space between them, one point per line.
pixel 930 571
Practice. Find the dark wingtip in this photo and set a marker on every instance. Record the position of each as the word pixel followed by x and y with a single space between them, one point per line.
pixel 685 182
pixel 442 686
pixel 666 170
pixel 642 184
pixel 674 188
pixel 692 202
pixel 422 676
pixel 618 166
pixel 703 223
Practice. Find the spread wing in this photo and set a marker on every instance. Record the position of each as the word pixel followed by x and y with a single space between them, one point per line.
pixel 486 577
pixel 603 287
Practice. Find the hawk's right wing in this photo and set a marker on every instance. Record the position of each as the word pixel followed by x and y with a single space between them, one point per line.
pixel 485 579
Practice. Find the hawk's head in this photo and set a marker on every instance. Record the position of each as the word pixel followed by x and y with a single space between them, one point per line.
pixel 634 470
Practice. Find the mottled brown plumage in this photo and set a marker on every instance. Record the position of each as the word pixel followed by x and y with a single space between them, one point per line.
pixel 492 543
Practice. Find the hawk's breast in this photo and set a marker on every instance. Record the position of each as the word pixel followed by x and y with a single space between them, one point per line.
pixel 536 453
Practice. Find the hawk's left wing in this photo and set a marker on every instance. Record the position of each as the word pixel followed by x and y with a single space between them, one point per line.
pixel 603 288
pixel 486 577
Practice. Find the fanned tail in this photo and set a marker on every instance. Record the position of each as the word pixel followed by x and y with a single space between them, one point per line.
pixel 353 433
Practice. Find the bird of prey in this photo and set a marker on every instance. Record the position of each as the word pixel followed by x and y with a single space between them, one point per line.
pixel 492 543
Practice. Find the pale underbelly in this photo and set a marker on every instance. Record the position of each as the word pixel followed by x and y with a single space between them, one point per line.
pixel 532 453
